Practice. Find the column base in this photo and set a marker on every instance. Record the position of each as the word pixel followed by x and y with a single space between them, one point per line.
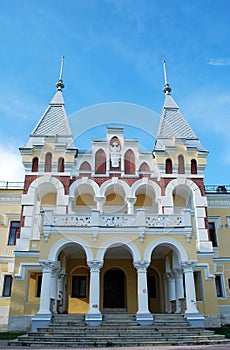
pixel 195 319
pixel 40 321
pixel 144 319
pixel 93 319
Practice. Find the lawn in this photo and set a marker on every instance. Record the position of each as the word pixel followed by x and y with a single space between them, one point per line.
pixel 8 336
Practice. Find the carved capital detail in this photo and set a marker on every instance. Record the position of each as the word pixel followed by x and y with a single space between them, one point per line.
pixel 50 266
pixel 141 266
pixel 95 265
pixel 188 266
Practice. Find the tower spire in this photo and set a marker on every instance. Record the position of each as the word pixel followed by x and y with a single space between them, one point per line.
pixel 60 84
pixel 167 89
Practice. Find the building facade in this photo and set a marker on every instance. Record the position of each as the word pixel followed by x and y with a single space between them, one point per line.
pixel 114 228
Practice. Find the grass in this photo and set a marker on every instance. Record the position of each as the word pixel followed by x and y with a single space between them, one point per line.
pixel 225 330
pixel 8 336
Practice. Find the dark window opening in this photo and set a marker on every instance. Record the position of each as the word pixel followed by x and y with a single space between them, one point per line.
pixel 212 233
pixel 14 232
pixel 35 165
pixel 168 166
pixel 79 286
pixel 193 166
pixel 7 286
pixel 151 282
pixel 198 285
pixel 219 287
pixel 61 165
pixel 38 286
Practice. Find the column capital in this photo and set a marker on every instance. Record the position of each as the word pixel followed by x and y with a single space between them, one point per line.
pixel 188 266
pixel 141 265
pixel 49 265
pixel 95 265
pixel 170 275
pixel 100 199
pixel 130 199
pixel 178 272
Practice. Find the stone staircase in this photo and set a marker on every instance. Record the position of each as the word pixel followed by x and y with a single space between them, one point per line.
pixel 119 329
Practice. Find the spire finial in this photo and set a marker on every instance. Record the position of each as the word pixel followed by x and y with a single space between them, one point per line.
pixel 60 84
pixel 167 89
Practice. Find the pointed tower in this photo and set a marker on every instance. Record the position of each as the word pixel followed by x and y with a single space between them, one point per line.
pixel 50 147
pixel 177 149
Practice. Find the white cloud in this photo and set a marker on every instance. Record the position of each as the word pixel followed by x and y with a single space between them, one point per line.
pixel 11 168
pixel 219 61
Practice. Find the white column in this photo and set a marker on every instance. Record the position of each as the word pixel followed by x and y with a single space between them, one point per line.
pixel 47 267
pixel 94 317
pixel 100 203
pixel 143 315
pixel 130 203
pixel 179 288
pixel 168 306
pixel 188 267
pixel 54 286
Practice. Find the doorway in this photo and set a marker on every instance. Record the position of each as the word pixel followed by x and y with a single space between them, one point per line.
pixel 114 289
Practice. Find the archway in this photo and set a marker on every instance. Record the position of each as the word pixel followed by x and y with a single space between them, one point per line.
pixel 114 289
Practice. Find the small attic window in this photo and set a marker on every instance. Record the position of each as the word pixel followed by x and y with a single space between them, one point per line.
pixel 168 166
pixel 193 166
pixel 48 162
pixel 35 165
pixel 181 169
pixel 61 165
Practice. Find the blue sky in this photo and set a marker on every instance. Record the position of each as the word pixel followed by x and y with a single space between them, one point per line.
pixel 113 53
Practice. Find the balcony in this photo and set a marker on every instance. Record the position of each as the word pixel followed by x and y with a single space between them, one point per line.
pixel 140 222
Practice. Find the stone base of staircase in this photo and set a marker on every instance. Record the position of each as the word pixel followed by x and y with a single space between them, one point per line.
pixel 118 329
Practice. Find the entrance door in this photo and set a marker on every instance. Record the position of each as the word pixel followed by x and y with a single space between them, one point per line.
pixel 114 285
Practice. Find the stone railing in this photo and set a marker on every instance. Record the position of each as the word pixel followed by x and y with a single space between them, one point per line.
pixel 139 222
pixel 140 218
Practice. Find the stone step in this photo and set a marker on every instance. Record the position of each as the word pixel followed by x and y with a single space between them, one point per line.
pixel 118 330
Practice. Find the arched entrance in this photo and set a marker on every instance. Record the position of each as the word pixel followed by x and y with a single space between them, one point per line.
pixel 114 289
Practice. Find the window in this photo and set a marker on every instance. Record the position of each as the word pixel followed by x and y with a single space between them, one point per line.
pixel 168 166
pixel 48 162
pixel 198 285
pixel 79 286
pixel 14 232
pixel 144 167
pixel 219 286
pixel 181 164
pixel 7 286
pixel 212 233
pixel 61 165
pixel 35 165
pixel 151 282
pixel 100 162
pixel 193 166
pixel 38 286
pixel 130 167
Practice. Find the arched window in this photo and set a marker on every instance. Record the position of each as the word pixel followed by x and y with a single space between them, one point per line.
pixel 61 165
pixel 130 167
pixel 181 164
pixel 35 165
pixel 193 166
pixel 85 166
pixel 144 167
pixel 48 162
pixel 100 162
pixel 168 166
